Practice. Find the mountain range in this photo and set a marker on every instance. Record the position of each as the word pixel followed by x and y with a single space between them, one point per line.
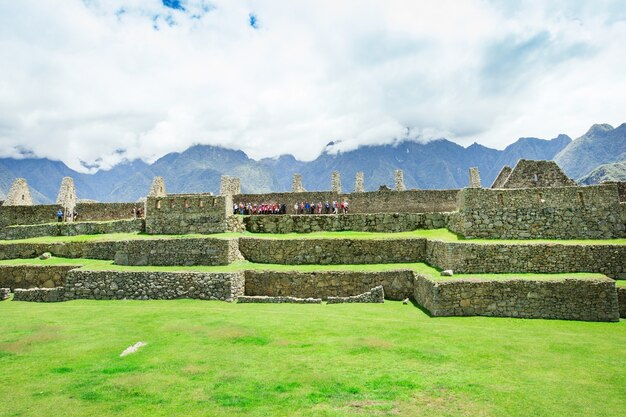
pixel 438 164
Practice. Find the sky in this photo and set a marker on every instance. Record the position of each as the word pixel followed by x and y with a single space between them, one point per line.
pixel 97 82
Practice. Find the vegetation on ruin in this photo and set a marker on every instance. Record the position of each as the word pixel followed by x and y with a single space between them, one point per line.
pixel 213 358
pixel 421 268
pixel 433 234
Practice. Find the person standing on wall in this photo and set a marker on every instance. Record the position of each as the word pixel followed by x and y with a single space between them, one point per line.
pixel 60 215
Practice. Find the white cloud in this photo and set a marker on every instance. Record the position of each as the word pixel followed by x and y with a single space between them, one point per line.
pixel 85 80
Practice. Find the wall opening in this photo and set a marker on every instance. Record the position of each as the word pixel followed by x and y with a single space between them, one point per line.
pixel 158 204
pixel 172 204
pixel 500 199
pixel 581 200
pixel 540 198
pixel 186 203
pixel 201 204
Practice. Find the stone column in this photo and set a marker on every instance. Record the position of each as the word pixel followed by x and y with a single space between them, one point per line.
pixel 158 188
pixel 335 182
pixel 398 180
pixel 474 178
pixel 359 182
pixel 19 194
pixel 296 184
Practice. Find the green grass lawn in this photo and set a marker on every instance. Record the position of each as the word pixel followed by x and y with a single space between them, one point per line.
pixel 421 268
pixel 219 359
pixel 433 234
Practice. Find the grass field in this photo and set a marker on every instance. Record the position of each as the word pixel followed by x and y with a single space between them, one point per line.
pixel 434 234
pixel 218 359
pixel 421 268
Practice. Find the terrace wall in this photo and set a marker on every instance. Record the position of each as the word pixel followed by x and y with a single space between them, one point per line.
pixel 107 285
pixel 397 285
pixel 380 222
pixel 191 251
pixel 466 258
pixel 590 212
pixel 33 276
pixel 72 229
pixel 569 299
pixel 621 299
pixel 329 251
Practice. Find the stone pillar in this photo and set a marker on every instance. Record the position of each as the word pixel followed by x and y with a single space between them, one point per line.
pixel 157 189
pixel 19 194
pixel 67 195
pixel 474 178
pixel 359 182
pixel 229 185
pixel 335 182
pixel 398 180
pixel 296 184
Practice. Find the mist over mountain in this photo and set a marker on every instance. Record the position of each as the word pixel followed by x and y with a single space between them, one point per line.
pixel 438 164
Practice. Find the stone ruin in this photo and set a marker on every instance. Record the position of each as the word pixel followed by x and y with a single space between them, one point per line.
pixel 67 195
pixel 398 180
pixel 157 189
pixel 502 177
pixel 533 174
pixel 359 182
pixel 296 184
pixel 19 194
pixel 335 182
pixel 229 185
pixel 474 178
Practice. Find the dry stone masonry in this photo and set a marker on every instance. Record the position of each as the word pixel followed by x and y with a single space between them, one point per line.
pixel 277 300
pixel 67 195
pixel 157 189
pixel 5 293
pixel 229 186
pixel 40 295
pixel 107 285
pixel 375 295
pixel 19 194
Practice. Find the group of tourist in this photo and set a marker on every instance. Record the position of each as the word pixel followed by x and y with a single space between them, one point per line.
pixel 253 208
pixel 303 207
pixel 334 207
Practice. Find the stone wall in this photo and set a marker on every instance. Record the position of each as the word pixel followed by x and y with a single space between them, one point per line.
pixel 397 285
pixel 20 215
pixel 375 295
pixel 33 276
pixel 409 201
pixel 277 300
pixel 195 213
pixel 107 285
pixel 72 229
pixel 40 295
pixel 502 177
pixel 621 300
pixel 380 222
pixel 19 194
pixel 332 251
pixel 5 293
pixel 467 258
pixel 555 213
pixel 568 299
pixel 99 212
pixel 192 251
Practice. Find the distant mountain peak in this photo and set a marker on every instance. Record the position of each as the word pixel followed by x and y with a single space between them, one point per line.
pixel 599 129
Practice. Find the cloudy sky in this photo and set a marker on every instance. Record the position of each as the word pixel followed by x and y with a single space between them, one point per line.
pixel 94 82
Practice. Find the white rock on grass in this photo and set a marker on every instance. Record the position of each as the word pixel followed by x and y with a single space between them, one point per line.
pixel 447 273
pixel 132 349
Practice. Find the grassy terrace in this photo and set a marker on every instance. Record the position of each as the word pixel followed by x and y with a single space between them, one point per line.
pixel 436 234
pixel 207 358
pixel 421 268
